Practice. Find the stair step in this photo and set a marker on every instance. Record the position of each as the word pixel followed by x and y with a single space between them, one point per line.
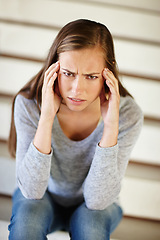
pixel 140 198
pixel 27 12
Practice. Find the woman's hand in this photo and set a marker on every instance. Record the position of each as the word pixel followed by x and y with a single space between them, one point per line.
pixel 50 98
pixel 50 105
pixel 110 109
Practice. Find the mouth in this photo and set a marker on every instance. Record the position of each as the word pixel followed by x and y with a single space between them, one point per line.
pixel 76 100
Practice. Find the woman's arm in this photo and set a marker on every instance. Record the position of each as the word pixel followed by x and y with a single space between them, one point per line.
pixel 33 154
pixel 110 110
pixel 50 105
pixel 103 182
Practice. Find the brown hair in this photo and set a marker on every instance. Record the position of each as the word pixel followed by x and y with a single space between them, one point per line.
pixel 75 35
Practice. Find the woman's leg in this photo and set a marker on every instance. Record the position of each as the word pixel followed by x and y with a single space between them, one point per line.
pixel 88 224
pixel 33 219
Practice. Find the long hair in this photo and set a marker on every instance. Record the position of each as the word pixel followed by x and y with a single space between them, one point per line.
pixel 75 35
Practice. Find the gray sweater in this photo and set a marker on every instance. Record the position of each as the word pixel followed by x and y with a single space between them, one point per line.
pixel 74 171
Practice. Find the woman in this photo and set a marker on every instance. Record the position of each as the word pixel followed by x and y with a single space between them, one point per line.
pixel 75 128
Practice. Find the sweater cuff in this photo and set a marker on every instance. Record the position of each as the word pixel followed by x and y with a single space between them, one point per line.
pixel 106 155
pixel 35 151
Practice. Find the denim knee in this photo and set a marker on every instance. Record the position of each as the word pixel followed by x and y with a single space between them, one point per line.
pixel 25 230
pixel 89 224
pixel 30 219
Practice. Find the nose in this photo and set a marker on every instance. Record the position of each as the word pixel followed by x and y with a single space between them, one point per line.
pixel 78 84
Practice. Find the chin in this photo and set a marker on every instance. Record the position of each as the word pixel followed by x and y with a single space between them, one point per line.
pixel 76 109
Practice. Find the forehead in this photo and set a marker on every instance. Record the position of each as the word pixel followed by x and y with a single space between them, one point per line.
pixel 88 60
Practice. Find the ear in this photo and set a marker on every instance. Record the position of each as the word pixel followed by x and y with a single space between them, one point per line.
pixel 102 95
pixel 106 88
pixel 56 87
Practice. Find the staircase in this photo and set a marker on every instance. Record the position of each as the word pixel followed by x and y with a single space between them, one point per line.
pixel 27 30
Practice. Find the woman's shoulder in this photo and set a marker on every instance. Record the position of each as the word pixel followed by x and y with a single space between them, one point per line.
pixel 25 107
pixel 23 102
pixel 128 105
pixel 130 112
pixel 22 99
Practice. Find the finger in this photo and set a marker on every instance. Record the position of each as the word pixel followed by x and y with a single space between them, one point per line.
pixel 51 80
pixel 109 75
pixel 54 65
pixel 51 70
pixel 111 81
pixel 108 80
pixel 50 84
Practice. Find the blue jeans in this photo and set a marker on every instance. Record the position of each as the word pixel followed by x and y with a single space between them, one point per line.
pixel 35 219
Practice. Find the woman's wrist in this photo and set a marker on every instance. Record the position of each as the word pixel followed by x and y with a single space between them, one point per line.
pixel 42 139
pixel 109 138
pixel 47 120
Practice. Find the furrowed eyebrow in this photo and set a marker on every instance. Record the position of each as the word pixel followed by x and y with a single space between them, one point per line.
pixel 89 74
pixel 86 74
pixel 67 70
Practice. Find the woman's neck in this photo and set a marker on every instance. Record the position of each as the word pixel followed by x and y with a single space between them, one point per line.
pixel 93 108
pixel 79 125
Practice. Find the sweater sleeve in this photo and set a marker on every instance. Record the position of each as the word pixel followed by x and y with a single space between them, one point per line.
pixel 32 167
pixel 103 183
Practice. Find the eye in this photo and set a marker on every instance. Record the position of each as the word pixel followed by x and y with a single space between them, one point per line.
pixel 68 74
pixel 91 77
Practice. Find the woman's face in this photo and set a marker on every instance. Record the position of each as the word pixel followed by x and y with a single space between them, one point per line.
pixel 80 77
